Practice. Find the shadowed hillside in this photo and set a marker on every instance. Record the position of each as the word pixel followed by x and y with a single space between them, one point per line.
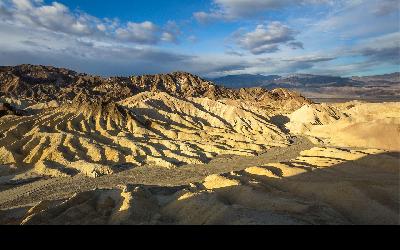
pixel 177 149
pixel 361 190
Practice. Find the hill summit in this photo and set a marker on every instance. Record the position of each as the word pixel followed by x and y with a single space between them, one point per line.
pixel 46 83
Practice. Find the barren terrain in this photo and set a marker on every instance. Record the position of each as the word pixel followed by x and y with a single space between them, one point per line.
pixel 176 149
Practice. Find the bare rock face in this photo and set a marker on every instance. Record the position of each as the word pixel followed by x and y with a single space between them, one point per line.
pixel 185 85
pixel 146 129
pixel 39 82
pixel 96 124
pixel 8 109
pixel 178 83
pixel 131 150
pixel 44 83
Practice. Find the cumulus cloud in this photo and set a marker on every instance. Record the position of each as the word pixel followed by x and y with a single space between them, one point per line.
pixel 204 17
pixel 86 56
pixel 236 9
pixel 172 32
pixel 40 32
pixel 52 34
pixel 267 38
pixel 142 33
pixel 58 18
pixel 102 58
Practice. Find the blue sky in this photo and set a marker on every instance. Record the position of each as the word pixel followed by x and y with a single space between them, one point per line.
pixel 158 11
pixel 206 37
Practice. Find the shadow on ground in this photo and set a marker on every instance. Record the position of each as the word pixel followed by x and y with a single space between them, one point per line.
pixel 364 191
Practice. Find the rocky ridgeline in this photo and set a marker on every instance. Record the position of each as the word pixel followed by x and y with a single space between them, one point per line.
pixel 8 109
pixel 46 83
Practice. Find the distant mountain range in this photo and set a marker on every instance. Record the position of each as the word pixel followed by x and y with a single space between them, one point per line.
pixel 301 80
pixel 245 80
pixel 378 86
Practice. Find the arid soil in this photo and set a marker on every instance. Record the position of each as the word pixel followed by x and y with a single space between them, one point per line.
pixel 175 149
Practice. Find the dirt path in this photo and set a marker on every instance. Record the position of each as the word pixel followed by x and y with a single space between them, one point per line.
pixel 58 188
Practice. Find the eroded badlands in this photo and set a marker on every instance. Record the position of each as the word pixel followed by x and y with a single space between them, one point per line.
pixel 155 157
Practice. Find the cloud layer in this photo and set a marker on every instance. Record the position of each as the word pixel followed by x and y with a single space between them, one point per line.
pixel 237 9
pixel 58 18
pixel 261 36
pixel 267 38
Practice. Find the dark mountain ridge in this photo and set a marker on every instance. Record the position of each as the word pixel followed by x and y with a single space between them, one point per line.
pixel 46 83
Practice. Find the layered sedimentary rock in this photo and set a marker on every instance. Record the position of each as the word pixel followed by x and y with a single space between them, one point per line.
pixel 43 83
pixel 177 149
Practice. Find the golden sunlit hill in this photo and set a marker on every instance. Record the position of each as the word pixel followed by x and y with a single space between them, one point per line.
pixel 178 149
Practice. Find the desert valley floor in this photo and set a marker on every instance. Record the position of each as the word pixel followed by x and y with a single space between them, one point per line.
pixel 177 149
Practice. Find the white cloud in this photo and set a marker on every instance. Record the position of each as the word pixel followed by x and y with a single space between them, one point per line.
pixel 266 38
pixel 142 33
pixel 24 45
pixel 360 19
pixel 23 4
pixel 53 34
pixel 204 17
pixel 58 18
pixel 171 33
pixel 101 27
pixel 236 9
